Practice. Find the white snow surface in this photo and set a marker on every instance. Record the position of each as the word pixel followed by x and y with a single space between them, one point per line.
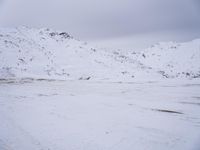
pixel 44 53
pixel 89 115
pixel 132 100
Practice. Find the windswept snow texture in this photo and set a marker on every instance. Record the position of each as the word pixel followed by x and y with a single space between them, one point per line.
pixel 85 115
pixel 46 105
pixel 44 53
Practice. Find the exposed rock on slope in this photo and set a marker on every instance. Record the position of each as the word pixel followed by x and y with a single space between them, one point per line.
pixel 44 53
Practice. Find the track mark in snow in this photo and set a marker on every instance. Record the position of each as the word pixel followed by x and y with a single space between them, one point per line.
pixel 191 103
pixel 47 95
pixel 4 146
pixel 18 137
pixel 168 111
pixel 196 97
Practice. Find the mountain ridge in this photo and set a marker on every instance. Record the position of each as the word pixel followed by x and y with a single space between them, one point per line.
pixel 44 53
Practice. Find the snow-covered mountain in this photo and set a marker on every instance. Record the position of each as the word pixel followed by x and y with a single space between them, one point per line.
pixel 44 53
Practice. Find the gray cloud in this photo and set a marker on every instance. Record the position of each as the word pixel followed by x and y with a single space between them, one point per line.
pixel 106 18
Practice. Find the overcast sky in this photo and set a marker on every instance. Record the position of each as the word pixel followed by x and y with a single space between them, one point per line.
pixel 88 19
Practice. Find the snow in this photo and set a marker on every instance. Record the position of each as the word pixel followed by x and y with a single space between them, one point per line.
pixel 60 115
pixel 44 53
pixel 58 93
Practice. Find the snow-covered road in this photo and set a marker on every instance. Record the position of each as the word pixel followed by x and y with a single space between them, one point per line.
pixel 84 115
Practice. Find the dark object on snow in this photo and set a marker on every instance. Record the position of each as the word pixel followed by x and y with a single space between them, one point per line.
pixel 143 55
pixel 168 111
pixel 82 78
pixel 64 35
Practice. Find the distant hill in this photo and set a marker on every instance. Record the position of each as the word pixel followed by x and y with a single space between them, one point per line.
pixel 44 53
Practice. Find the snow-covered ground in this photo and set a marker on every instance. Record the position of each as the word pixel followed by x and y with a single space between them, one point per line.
pixel 59 93
pixel 44 53
pixel 87 115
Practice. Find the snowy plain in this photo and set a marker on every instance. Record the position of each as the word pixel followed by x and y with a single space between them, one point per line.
pixel 84 115
pixel 59 93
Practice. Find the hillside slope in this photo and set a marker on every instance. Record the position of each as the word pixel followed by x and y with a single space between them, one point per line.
pixel 44 53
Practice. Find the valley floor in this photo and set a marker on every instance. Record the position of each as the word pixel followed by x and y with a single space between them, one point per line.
pixel 85 115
